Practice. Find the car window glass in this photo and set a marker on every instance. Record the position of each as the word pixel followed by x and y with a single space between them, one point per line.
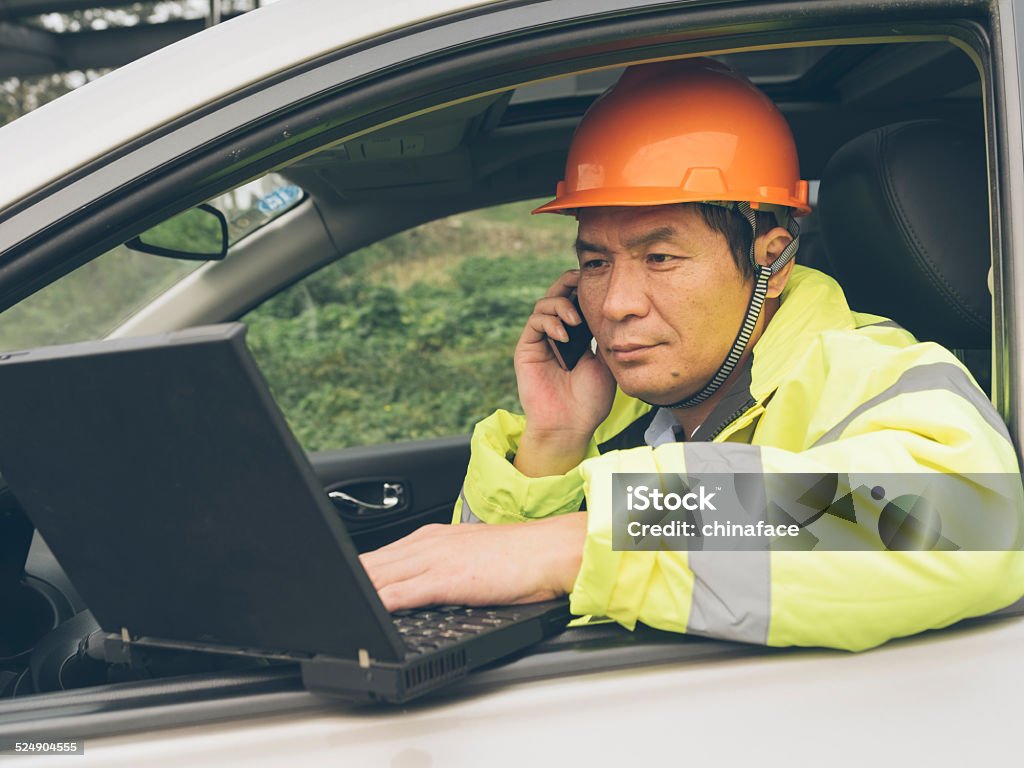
pixel 411 337
pixel 97 297
pixel 255 204
pixel 92 301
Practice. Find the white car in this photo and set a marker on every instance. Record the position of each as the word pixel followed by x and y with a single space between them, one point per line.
pixel 373 167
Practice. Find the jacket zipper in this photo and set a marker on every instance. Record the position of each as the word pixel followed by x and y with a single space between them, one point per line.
pixel 739 412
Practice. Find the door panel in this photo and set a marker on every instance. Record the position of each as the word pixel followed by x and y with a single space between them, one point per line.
pixel 430 473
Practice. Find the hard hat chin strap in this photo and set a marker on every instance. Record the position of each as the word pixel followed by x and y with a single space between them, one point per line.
pixel 763 275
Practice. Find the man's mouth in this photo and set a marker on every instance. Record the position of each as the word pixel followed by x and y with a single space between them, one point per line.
pixel 627 352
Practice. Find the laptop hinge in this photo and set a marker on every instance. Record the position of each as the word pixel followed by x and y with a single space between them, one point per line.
pixel 117 647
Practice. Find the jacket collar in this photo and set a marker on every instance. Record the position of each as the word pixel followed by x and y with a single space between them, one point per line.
pixel 812 302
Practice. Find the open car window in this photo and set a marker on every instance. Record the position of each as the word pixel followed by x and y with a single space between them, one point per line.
pixel 411 337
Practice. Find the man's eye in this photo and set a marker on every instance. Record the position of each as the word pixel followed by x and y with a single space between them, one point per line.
pixel 659 258
pixel 593 263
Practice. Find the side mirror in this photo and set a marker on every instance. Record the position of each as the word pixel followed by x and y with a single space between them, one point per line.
pixel 198 234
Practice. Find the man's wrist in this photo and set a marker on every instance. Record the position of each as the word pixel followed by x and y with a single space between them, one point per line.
pixel 566 549
pixel 541 454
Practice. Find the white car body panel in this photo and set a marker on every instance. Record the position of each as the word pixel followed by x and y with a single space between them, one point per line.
pixel 944 698
pixel 93 120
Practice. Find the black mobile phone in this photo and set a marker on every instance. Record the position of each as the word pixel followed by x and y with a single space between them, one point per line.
pixel 568 353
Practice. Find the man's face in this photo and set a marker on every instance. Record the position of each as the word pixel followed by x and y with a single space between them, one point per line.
pixel 662 294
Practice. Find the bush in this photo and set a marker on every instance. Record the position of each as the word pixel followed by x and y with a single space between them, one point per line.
pixel 411 337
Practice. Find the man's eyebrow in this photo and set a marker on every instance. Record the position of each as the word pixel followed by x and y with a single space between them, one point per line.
pixel 654 236
pixel 582 246
pixel 634 243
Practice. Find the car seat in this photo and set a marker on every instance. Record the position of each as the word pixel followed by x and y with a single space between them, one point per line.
pixel 905 218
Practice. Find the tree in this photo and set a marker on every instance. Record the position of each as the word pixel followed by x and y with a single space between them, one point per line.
pixel 19 96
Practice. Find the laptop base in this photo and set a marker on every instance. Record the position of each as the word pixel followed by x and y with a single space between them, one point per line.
pixel 366 678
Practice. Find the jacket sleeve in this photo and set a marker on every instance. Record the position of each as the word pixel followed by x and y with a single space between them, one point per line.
pixel 496 492
pixel 843 599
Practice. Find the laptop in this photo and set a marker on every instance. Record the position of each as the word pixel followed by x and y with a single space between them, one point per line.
pixel 165 479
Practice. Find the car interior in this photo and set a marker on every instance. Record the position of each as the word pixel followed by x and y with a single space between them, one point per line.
pixel 891 135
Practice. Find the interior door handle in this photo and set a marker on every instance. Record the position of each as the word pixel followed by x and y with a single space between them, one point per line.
pixel 392 496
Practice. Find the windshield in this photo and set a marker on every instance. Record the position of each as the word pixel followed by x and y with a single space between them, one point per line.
pixel 99 296
pixel 255 204
pixel 92 301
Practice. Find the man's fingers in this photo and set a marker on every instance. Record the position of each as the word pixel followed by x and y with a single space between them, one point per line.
pixel 419 569
pixel 384 556
pixel 479 564
pixel 400 549
pixel 564 284
pixel 552 313
pixel 549 318
pixel 408 558
pixel 430 581
pixel 411 593
pixel 558 306
pixel 553 327
pixel 393 573
pixel 539 326
pixel 387 567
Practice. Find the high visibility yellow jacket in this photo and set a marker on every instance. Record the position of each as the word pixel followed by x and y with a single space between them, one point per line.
pixel 827 390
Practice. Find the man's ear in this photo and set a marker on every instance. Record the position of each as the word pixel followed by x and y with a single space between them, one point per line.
pixel 767 248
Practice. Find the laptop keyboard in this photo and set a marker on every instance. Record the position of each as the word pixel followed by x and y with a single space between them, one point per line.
pixel 430 629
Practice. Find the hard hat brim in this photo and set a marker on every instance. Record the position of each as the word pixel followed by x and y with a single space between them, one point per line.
pixel 640 196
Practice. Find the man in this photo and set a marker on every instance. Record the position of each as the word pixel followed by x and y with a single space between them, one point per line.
pixel 727 358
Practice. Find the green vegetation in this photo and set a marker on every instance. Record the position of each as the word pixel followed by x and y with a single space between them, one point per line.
pixel 92 301
pixel 411 337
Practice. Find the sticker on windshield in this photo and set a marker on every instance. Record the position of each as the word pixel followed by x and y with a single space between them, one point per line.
pixel 280 198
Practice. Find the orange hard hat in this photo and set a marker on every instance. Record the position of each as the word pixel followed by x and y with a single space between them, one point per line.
pixel 689 130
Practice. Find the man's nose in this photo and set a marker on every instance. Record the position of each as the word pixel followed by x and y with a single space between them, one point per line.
pixel 626 294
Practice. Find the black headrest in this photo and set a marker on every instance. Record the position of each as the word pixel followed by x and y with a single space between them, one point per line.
pixel 904 211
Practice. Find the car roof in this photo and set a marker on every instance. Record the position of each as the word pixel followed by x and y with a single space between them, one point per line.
pixel 109 112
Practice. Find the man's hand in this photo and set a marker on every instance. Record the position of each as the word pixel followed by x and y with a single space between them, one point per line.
pixel 562 408
pixel 479 564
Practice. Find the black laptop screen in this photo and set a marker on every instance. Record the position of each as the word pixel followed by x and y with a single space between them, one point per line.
pixel 165 480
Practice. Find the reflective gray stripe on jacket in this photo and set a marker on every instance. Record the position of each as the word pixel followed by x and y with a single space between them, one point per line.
pixel 731 590
pixel 935 376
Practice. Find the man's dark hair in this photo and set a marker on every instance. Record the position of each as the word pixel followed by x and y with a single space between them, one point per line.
pixel 735 227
